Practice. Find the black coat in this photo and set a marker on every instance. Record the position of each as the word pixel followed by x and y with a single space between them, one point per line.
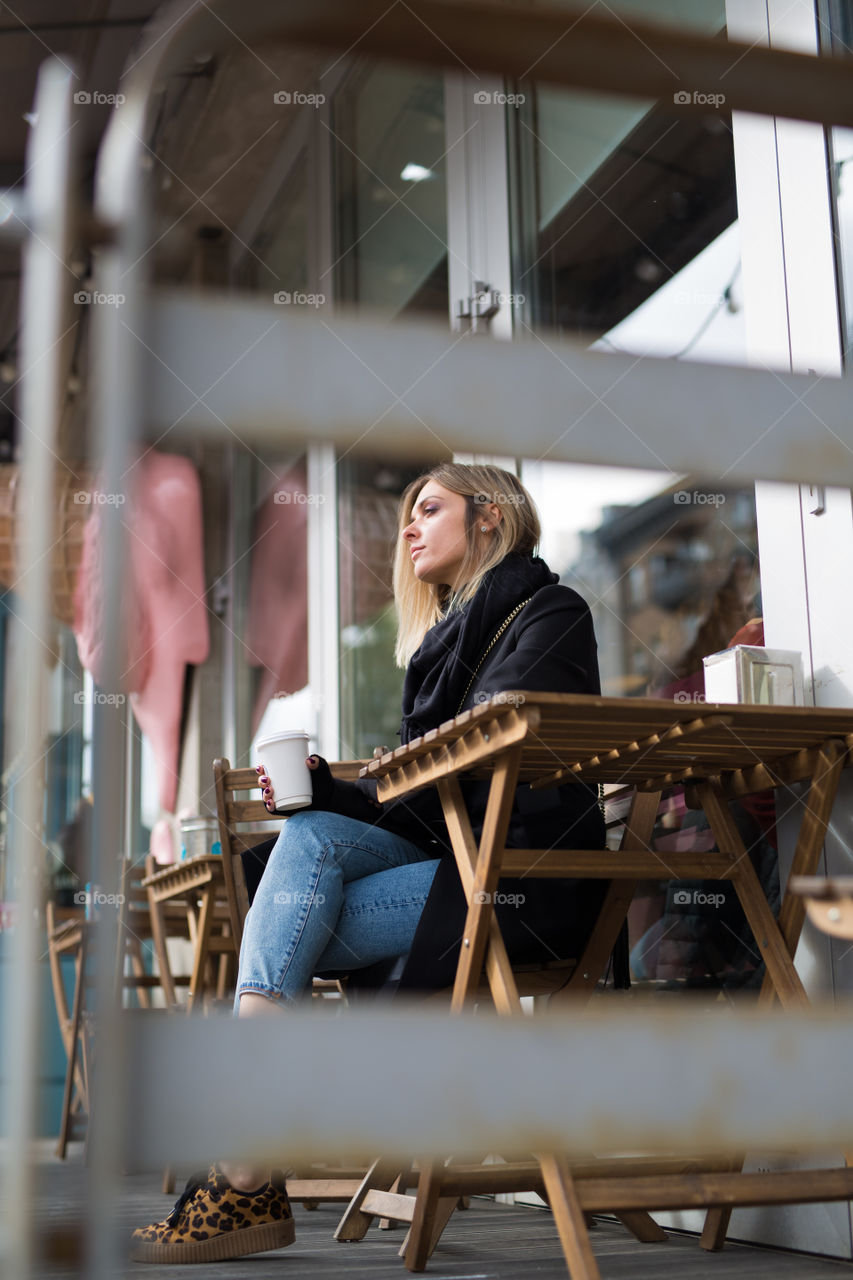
pixel 548 647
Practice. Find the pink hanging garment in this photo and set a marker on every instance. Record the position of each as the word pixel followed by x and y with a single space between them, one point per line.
pixel 277 625
pixel 165 614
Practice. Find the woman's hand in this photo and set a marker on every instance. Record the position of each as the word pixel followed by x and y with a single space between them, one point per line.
pixel 264 783
pixel 266 786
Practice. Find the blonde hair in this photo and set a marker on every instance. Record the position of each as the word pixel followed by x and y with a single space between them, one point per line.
pixel 421 604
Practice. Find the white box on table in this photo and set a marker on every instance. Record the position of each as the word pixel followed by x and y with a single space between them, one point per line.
pixel 749 673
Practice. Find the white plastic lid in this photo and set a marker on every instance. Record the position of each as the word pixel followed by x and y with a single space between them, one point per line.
pixel 281 737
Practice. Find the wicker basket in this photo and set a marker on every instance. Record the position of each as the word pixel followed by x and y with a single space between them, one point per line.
pixel 70 519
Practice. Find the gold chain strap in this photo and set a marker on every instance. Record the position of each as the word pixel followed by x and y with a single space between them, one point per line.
pixel 495 638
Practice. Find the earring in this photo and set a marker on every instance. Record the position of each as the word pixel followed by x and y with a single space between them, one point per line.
pixel 484 528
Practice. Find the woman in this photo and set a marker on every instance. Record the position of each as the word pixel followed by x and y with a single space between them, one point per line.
pixel 349 882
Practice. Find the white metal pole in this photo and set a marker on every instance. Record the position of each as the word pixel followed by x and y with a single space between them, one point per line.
pixel 45 308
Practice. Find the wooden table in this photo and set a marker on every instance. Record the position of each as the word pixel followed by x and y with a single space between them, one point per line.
pixel 198 883
pixel 717 752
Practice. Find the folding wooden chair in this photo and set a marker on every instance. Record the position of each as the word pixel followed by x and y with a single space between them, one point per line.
pixel 70 935
pixel 240 817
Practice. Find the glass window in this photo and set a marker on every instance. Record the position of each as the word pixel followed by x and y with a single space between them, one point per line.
pixel 280 258
pixel 371 685
pixel 270 597
pixel 625 238
pixel 390 194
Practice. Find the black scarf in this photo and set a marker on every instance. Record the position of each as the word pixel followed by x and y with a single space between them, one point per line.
pixel 439 671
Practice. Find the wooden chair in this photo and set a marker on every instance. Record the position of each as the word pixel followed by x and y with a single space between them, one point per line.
pixel 70 935
pixel 243 823
pixel 236 813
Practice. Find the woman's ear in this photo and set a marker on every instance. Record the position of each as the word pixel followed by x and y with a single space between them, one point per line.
pixel 491 515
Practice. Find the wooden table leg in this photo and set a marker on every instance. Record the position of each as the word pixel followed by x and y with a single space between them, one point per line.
pixel 481 906
pixel 158 937
pixel 780 964
pixel 642 1226
pixel 812 833
pixel 419 1242
pixel 200 956
pixel 73 1047
pixel 498 968
pixel 569 1218
pixel 381 1176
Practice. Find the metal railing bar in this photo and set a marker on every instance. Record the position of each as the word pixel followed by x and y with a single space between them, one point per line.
pixel 45 322
pixel 605 1081
pixel 732 423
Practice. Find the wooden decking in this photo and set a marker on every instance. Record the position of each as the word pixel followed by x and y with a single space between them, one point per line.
pixel 488 1242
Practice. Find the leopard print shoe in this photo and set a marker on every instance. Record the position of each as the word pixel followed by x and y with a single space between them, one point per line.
pixel 212 1221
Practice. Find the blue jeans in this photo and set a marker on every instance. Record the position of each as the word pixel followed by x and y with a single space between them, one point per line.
pixel 336 894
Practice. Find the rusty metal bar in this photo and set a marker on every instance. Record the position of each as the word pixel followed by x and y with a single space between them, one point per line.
pixel 681 1082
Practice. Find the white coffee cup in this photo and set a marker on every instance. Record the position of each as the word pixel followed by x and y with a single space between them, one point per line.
pixel 283 757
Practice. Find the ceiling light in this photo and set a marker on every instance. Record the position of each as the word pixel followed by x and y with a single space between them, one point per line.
pixel 416 173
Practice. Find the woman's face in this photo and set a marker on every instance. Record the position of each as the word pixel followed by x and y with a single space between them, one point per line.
pixel 436 536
